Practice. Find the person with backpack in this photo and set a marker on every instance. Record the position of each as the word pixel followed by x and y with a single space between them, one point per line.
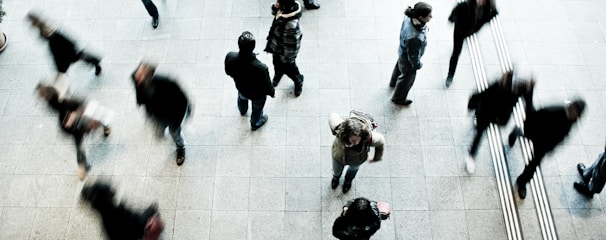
pixel 353 139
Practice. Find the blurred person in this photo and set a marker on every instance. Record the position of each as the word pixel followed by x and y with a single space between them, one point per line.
pixel 165 102
pixel 413 40
pixel 119 221
pixel 152 11
pixel 468 17
pixel 495 105
pixel 359 220
pixel 311 4
pixel 77 118
pixel 63 48
pixel 251 78
pixel 594 177
pixel 284 41
pixel 353 139
pixel 546 128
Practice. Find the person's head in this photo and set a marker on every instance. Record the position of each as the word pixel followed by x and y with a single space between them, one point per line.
pixel 286 4
pixel 519 85
pixel 246 42
pixel 46 92
pixel 360 210
pixel 421 11
pixel 574 109
pixel 144 72
pixel 352 132
pixel 36 21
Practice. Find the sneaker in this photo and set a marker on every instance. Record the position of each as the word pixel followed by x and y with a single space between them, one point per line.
pixel 97 70
pixel 448 81
pixel 581 168
pixel 334 183
pixel 107 131
pixel 346 187
pixel 583 189
pixel 299 85
pixel 403 103
pixel 470 164
pixel 265 118
pixel 155 22
pixel 521 189
pixel 180 156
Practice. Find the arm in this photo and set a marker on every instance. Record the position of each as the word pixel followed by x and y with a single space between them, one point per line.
pixel 334 120
pixel 414 55
pixel 271 91
pixel 378 141
pixel 291 39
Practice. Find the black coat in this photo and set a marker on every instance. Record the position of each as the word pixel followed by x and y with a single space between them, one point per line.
pixel 350 229
pixel 547 127
pixel 250 75
pixel 163 99
pixel 65 107
pixel 496 103
pixel 468 20
pixel 64 51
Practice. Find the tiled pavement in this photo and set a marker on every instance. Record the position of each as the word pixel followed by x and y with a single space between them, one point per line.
pixel 275 183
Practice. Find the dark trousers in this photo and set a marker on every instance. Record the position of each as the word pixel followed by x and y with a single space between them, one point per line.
pixel 257 109
pixel 63 64
pixel 289 68
pixel 402 78
pixel 151 8
pixel 80 154
pixel 480 128
pixel 539 153
pixel 457 47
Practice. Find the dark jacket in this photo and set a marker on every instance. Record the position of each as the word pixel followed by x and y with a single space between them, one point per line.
pixel 65 107
pixel 345 228
pixel 496 103
pixel 468 19
pixel 163 99
pixel 547 127
pixel 250 75
pixel 413 41
pixel 284 38
pixel 63 49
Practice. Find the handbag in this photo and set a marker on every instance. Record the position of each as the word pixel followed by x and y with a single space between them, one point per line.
pixel 384 210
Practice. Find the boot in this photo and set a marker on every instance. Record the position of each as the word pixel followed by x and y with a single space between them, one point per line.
pixel 299 85
pixel 180 156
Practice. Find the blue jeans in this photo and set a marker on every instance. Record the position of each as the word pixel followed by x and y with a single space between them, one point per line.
pixel 337 169
pixel 257 109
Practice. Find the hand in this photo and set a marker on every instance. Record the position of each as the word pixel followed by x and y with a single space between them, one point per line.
pixel 277 5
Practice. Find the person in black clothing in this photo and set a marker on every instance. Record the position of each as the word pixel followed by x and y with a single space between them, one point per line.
pixel 311 4
pixel 120 222
pixel 164 101
pixel 152 11
pixel 468 17
pixel 252 79
pixel 62 48
pixel 594 176
pixel 359 220
pixel 495 105
pixel 546 128
pixel 71 120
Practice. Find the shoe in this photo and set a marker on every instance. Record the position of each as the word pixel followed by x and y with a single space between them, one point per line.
pixel 521 189
pixel 97 70
pixel 107 131
pixel 155 22
pixel 470 164
pixel 448 81
pixel 346 187
pixel 299 85
pixel 581 168
pixel 404 103
pixel 334 183
pixel 180 156
pixel 583 189
pixel 513 136
pixel 312 6
pixel 265 118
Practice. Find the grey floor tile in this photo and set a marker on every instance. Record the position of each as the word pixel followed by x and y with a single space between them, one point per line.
pixel 269 161
pixel 233 161
pixel 227 225
pixel 231 193
pixel 195 193
pixel 267 194
pixel 444 193
pixel 302 225
pixel 448 225
pixel 266 225
pixel 16 222
pixel 192 224
pixel 50 223
pixel 412 224
pixel 484 224
pixel 409 194
pixel 303 194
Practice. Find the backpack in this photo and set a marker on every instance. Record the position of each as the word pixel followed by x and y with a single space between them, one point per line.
pixel 367 118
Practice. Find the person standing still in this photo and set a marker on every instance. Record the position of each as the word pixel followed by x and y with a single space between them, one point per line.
pixel 468 17
pixel 284 41
pixel 413 40
pixel 594 176
pixel 251 78
pixel 152 10
pixel 164 101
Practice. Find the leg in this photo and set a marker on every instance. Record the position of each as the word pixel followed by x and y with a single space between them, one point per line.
pixel 152 11
pixel 91 59
pixel 278 70
pixel 257 118
pixel 352 170
pixel 242 104
pixel 337 169
pixel 394 75
pixel 292 71
pixel 480 128
pixel 529 171
pixel 404 82
pixel 83 165
pixel 177 135
pixel 457 47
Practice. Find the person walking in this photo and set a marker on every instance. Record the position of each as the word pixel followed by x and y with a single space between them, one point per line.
pixel 164 102
pixel 468 17
pixel 353 139
pixel 594 177
pixel 413 40
pixel 251 78
pixel 359 220
pixel 62 48
pixel 546 128
pixel 284 41
pixel 152 10
pixel 77 118
pixel 495 105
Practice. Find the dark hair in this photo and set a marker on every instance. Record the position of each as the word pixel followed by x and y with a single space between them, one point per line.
pixel 47 92
pixel 246 42
pixel 421 9
pixel 361 211
pixel 352 126
pixel 287 4
pixel 578 106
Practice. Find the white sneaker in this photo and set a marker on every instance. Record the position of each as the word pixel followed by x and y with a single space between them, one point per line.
pixel 470 164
